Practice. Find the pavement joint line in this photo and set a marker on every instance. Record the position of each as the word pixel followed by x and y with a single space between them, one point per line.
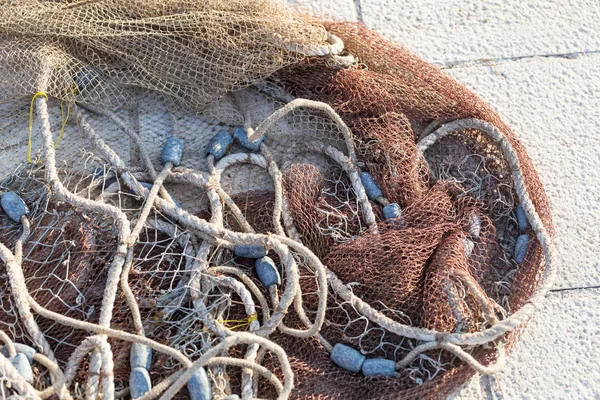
pixel 574 288
pixel 359 13
pixel 499 60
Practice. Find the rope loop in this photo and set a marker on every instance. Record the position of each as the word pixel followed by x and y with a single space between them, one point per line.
pixel 64 119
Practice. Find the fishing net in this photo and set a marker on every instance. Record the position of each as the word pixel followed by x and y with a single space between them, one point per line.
pixel 236 199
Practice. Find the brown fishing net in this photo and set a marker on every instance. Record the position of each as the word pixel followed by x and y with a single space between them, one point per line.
pixel 407 234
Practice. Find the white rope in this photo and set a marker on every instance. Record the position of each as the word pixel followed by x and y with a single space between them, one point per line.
pixel 353 173
pixel 212 237
pixel 252 350
pixel 8 343
pixel 315 105
pixel 525 312
pixel 59 387
pixel 235 339
pixel 335 47
pixel 18 384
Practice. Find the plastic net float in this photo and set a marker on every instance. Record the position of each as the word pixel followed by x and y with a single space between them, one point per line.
pixel 230 199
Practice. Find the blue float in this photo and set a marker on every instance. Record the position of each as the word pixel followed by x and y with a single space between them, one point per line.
pixel 371 187
pixel 140 356
pixel 87 79
pixel 379 367
pixel 392 211
pixel 98 172
pixel 249 251
pixel 199 386
pixel 241 136
pixel 521 248
pixel 14 206
pixel 21 364
pixel 23 349
pixel 139 382
pixel 346 357
pixel 267 272
pixel 521 219
pixel 172 152
pixel 219 144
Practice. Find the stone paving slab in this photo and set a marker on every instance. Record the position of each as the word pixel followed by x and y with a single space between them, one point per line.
pixel 458 31
pixel 557 357
pixel 345 10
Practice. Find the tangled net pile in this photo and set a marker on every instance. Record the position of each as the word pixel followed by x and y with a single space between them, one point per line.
pixel 235 199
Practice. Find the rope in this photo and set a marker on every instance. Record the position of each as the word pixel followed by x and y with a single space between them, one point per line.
pixel 524 313
pixel 8 343
pixel 19 291
pixel 268 123
pixel 29 145
pixel 64 119
pixel 387 323
pixel 211 238
pixel 241 322
pixel 17 383
pixel 335 47
pixel 59 387
pixel 240 338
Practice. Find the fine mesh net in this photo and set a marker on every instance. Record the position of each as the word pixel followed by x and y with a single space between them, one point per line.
pixel 407 235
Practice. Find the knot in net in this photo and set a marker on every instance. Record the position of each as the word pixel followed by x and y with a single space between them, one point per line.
pixel 236 199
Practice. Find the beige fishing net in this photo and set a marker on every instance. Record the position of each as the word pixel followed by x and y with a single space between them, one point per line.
pixel 233 199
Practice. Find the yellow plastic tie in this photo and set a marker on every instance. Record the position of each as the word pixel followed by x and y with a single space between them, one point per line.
pixel 35 96
pixel 64 119
pixel 240 322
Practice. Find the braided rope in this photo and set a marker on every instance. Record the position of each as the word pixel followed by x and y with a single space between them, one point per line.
pixel 214 235
pixel 8 373
pixel 335 47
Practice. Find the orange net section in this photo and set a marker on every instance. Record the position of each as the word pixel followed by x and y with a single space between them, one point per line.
pixel 421 268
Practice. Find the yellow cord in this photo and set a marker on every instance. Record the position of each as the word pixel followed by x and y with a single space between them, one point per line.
pixel 62 127
pixel 64 122
pixel 240 322
pixel 35 96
